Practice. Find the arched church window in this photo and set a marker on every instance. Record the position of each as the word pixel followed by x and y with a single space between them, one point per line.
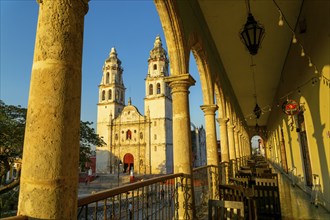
pixel 128 135
pixel 151 89
pixel 107 78
pixel 155 66
pixel 103 95
pixel 141 135
pixel 158 88
pixel 116 137
pixel 110 94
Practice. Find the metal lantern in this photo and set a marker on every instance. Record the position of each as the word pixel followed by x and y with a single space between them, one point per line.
pixel 252 34
pixel 257 111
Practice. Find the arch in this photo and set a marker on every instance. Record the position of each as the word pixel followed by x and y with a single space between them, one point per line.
pixel 174 36
pixel 158 88
pixel 220 100
pixel 128 162
pixel 155 67
pixel 203 67
pixel 151 89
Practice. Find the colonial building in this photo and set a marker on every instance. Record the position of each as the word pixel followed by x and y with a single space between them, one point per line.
pixel 135 141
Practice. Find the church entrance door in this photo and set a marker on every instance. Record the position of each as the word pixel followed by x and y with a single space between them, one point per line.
pixel 128 162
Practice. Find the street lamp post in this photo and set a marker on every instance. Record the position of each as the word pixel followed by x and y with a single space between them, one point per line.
pixel 118 164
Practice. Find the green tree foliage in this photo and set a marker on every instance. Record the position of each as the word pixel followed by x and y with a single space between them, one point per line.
pixel 88 138
pixel 12 128
pixel 12 125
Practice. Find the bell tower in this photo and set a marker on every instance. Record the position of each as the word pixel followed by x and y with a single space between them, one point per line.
pixel 110 104
pixel 159 104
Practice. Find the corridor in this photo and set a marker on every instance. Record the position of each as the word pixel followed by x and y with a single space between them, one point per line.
pixel 296 204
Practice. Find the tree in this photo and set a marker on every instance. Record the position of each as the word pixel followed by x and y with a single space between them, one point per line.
pixel 88 138
pixel 12 127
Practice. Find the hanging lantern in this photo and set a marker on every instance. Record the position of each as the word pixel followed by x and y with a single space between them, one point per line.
pixel 290 107
pixel 252 34
pixel 257 111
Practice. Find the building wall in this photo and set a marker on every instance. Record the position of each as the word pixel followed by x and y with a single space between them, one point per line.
pixel 311 91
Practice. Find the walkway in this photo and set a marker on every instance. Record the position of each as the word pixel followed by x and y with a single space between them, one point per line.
pixel 296 204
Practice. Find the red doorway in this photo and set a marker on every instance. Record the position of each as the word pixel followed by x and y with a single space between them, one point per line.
pixel 128 162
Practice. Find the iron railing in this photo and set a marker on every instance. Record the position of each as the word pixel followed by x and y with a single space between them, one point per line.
pixel 154 198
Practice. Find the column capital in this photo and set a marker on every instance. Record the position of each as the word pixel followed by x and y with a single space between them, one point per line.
pixel 222 121
pixel 231 126
pixel 237 129
pixel 180 83
pixel 209 109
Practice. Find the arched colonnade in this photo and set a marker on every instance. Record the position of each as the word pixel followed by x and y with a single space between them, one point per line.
pixel 51 153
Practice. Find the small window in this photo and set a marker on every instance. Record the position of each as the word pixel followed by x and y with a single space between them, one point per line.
pixel 155 66
pixel 155 137
pixel 116 137
pixel 155 148
pixel 158 88
pixel 103 95
pixel 141 135
pixel 107 78
pixel 128 135
pixel 155 123
pixel 151 89
pixel 110 94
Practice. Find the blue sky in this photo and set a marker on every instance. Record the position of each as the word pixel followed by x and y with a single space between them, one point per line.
pixel 129 26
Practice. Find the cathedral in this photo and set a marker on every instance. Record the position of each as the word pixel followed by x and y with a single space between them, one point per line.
pixel 135 142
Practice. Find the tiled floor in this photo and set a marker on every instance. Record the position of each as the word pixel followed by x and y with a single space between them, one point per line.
pixel 296 204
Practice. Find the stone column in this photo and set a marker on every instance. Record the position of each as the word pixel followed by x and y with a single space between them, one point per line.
pixel 237 145
pixel 231 142
pixel 49 180
pixel 182 151
pixel 224 139
pixel 241 143
pixel 211 144
pixel 211 138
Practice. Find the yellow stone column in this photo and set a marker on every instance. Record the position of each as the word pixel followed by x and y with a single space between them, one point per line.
pixel 224 139
pixel 49 180
pixel 241 143
pixel 182 142
pixel 237 145
pixel 237 164
pixel 211 138
pixel 211 144
pixel 231 142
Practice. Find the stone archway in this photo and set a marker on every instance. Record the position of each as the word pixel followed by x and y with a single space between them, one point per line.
pixel 128 162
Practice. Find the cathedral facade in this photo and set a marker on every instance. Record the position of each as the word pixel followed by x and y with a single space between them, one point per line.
pixel 142 143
